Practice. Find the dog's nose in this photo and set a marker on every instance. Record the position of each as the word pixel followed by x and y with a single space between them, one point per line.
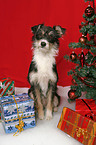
pixel 43 44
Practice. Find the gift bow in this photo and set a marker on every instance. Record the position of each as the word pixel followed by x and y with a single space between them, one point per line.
pixel 20 126
pixel 81 131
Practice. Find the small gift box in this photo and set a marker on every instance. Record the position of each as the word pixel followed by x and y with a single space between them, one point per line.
pixel 6 87
pixel 78 126
pixel 87 108
pixel 17 113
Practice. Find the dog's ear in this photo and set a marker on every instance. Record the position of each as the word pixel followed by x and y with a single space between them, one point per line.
pixel 36 27
pixel 60 31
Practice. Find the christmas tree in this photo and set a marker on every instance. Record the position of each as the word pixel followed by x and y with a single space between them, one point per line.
pixel 84 73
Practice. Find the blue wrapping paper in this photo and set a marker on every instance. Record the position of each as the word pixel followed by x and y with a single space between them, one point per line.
pixel 9 113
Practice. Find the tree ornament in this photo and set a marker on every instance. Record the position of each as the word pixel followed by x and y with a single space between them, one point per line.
pixel 83 39
pixel 73 56
pixel 95 34
pixel 89 11
pixel 71 94
pixel 82 58
pixel 74 82
pixel 95 39
pixel 91 23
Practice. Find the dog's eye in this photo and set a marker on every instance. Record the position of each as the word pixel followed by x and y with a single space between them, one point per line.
pixel 51 37
pixel 39 35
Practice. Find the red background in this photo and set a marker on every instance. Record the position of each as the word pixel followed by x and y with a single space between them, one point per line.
pixel 16 19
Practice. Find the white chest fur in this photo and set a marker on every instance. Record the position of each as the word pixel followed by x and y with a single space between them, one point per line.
pixel 44 64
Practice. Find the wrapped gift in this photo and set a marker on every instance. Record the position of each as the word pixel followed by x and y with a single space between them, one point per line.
pixel 87 108
pixel 0 114
pixel 6 88
pixel 17 113
pixel 78 126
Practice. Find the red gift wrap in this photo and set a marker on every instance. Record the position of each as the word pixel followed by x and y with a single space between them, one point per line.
pixel 87 108
pixel 78 126
pixel 6 88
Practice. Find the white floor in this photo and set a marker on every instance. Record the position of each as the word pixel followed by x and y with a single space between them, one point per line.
pixel 45 132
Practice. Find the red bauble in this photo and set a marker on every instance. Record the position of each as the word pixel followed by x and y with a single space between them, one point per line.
pixel 82 59
pixel 83 39
pixel 95 39
pixel 89 11
pixel 71 94
pixel 73 56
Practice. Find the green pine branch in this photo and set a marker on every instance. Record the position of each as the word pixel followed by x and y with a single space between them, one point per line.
pixel 91 93
pixel 87 0
pixel 93 49
pixel 77 61
pixel 74 45
pixel 91 30
pixel 78 45
pixel 89 19
pixel 89 58
pixel 67 57
pixel 91 42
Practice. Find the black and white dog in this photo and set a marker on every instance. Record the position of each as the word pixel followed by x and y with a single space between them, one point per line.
pixel 42 74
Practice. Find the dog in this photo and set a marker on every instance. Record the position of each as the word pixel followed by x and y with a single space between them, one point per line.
pixel 42 74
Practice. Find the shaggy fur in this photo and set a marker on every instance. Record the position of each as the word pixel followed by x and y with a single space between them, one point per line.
pixel 42 74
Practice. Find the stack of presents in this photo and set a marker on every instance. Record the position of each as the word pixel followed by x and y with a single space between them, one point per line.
pixel 17 114
pixel 16 111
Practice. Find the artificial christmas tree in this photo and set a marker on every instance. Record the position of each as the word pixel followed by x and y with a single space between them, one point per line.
pixel 84 74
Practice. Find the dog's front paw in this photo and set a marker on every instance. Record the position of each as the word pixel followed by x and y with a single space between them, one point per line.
pixel 40 114
pixel 48 114
pixel 55 109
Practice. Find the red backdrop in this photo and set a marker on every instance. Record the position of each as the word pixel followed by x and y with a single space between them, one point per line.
pixel 16 19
